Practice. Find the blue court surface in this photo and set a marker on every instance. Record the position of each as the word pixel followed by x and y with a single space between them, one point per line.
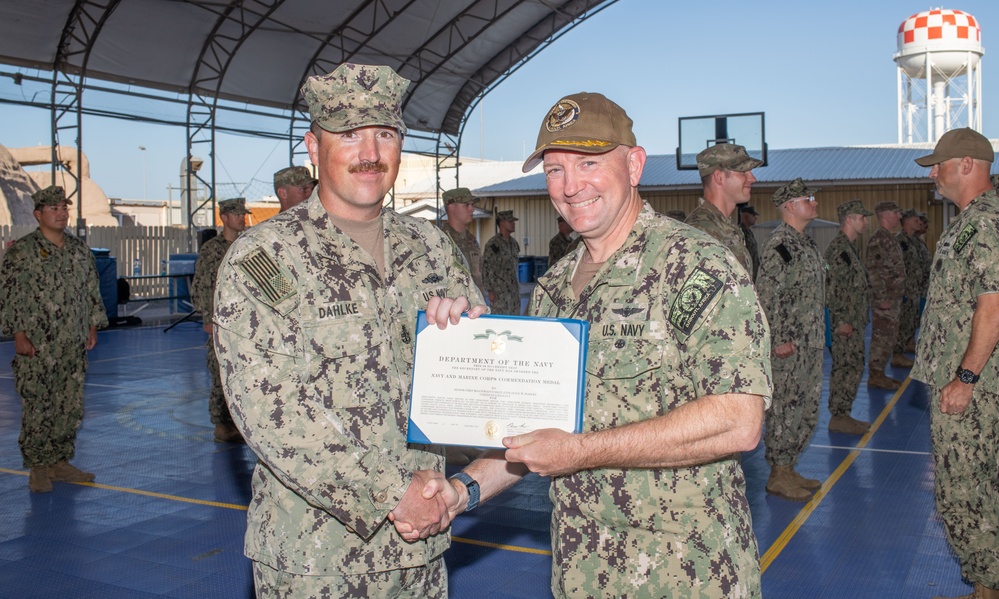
pixel 166 516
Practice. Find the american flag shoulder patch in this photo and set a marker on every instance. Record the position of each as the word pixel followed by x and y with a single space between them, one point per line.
pixel 273 282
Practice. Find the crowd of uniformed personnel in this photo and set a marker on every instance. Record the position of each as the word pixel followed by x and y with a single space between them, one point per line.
pixel 311 324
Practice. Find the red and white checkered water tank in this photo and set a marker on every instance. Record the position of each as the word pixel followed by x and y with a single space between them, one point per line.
pixel 950 39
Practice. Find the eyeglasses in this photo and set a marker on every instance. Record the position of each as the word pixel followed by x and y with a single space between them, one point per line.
pixel 809 199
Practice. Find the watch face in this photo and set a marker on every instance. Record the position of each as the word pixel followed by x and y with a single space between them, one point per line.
pixel 966 376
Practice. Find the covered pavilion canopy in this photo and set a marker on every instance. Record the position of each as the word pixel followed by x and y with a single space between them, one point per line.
pixel 223 54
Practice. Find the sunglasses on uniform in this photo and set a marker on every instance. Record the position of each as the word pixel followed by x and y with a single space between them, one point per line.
pixel 809 199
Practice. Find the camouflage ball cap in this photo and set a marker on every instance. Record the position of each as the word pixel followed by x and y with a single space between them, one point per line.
pixel 233 206
pixel 461 195
pixel 53 195
pixel 729 157
pixel 852 207
pixel 790 191
pixel 886 206
pixel 355 96
pixel 293 176
pixel 584 122
pixel 503 215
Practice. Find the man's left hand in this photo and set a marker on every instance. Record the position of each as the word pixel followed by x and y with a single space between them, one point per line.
pixel 955 397
pixel 548 451
pixel 92 338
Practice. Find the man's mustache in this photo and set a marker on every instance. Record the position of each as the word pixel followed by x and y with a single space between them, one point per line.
pixel 368 167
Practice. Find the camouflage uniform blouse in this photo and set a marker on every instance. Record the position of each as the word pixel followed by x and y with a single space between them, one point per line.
pixel 500 257
pixel 469 247
pixel 51 293
pixel 885 266
pixel 753 248
pixel 205 270
pixel 916 258
pixel 847 294
pixel 964 267
pixel 792 288
pixel 709 219
pixel 671 320
pixel 558 247
pixel 316 357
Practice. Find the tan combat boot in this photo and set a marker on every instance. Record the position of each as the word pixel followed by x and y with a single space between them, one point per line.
pixel 878 380
pixel 900 361
pixel 66 472
pixel 809 484
pixel 38 480
pixel 848 426
pixel 783 485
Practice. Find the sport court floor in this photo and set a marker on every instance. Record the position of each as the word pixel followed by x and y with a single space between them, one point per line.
pixel 166 516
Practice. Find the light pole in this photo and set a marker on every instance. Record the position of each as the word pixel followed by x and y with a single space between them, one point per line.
pixel 143 150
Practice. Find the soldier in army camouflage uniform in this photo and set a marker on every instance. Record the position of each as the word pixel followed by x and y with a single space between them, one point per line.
pixel 649 501
pixel 232 213
pixel 460 205
pixel 791 287
pixel 957 357
pixel 726 172
pixel 848 299
pixel 315 314
pixel 500 256
pixel 559 245
pixel 50 302
pixel 916 257
pixel 747 218
pixel 886 275
pixel 293 185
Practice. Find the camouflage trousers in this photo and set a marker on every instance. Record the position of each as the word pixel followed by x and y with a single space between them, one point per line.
pixel 507 301
pixel 217 408
pixel 908 322
pixel 847 370
pixel 416 583
pixel 966 453
pixel 794 411
pixel 884 335
pixel 51 390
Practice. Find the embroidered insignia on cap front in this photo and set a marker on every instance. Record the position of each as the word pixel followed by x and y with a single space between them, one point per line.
pixel 964 237
pixel 695 295
pixel 562 115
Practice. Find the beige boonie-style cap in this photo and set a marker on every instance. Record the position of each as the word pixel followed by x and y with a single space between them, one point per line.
pixel 730 157
pixel 356 95
pixel 585 122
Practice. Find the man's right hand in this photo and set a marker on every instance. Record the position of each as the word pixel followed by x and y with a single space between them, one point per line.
pixel 844 330
pixel 426 508
pixel 22 345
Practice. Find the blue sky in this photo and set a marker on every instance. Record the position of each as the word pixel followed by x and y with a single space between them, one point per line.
pixel 821 71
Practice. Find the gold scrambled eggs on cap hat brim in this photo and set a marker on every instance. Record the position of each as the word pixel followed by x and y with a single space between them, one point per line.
pixel 583 122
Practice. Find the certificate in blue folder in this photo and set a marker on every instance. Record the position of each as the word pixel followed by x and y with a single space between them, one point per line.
pixel 496 376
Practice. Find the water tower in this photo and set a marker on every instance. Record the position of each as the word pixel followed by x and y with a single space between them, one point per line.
pixel 939 74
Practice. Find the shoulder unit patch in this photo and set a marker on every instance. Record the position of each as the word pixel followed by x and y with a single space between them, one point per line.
pixel 695 295
pixel 274 284
pixel 964 237
pixel 786 255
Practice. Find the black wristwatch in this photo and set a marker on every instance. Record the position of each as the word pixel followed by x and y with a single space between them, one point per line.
pixel 473 490
pixel 966 376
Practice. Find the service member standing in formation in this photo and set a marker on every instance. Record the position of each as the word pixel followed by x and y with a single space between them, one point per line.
pixel 747 218
pixel 500 257
pixel 315 318
pixel 562 242
pixel 50 302
pixel 726 172
pixel 957 357
pixel 848 298
pixel 293 185
pixel 791 287
pixel 886 275
pixel 649 500
pixel 916 258
pixel 460 206
pixel 232 213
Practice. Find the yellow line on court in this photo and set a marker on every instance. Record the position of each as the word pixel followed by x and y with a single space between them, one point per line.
pixel 233 506
pixel 799 520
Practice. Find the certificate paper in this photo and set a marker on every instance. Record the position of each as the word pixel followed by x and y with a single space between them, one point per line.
pixel 496 376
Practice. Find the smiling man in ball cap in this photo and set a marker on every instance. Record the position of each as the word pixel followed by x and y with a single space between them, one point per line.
pixel 648 284
pixel 314 326
pixel 956 357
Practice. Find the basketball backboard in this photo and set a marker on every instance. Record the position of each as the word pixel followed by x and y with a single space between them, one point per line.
pixel 700 132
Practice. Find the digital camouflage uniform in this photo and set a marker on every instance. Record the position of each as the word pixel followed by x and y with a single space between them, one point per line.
pixel 670 321
pixel 469 247
pixel 53 294
pixel 708 218
pixel 500 257
pixel 791 288
pixel 753 248
pixel 203 297
pixel 886 275
pixel 558 246
pixel 916 257
pixel 316 353
pixel 849 301
pixel 965 447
